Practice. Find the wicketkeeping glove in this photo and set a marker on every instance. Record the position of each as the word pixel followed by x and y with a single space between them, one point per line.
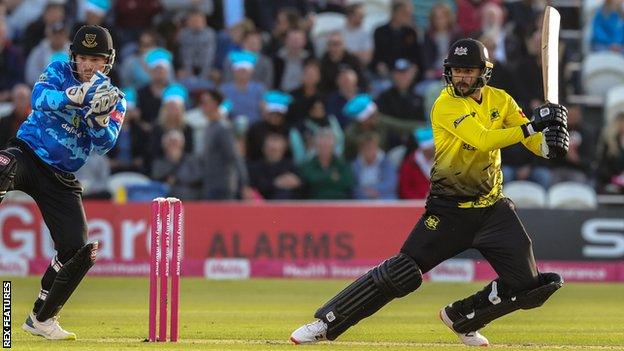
pixel 545 116
pixel 102 105
pixel 555 142
pixel 81 95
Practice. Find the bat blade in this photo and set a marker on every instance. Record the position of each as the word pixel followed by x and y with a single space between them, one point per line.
pixel 550 54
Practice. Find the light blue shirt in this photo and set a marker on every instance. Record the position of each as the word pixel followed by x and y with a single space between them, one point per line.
pixel 57 131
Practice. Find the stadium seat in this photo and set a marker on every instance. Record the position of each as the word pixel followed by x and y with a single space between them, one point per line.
pixel 5 108
pixel 125 179
pixel 324 24
pixel 601 72
pixel 525 194
pixel 572 195
pixel 614 103
pixel 146 192
pixel 372 20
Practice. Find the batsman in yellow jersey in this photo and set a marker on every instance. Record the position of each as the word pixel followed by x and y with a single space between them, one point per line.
pixel 466 208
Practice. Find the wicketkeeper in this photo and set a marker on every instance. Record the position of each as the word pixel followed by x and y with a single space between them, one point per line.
pixel 76 110
pixel 466 208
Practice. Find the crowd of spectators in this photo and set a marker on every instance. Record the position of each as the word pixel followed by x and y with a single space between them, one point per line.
pixel 245 100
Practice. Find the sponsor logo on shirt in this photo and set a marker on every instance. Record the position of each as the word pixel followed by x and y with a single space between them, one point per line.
pixel 71 129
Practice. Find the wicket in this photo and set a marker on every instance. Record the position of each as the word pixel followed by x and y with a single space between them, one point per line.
pixel 165 251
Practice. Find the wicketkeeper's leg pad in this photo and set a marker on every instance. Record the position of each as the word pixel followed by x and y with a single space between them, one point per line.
pixel 395 277
pixel 8 167
pixel 476 311
pixel 68 276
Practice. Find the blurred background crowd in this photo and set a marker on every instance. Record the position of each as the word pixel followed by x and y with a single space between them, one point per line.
pixel 295 99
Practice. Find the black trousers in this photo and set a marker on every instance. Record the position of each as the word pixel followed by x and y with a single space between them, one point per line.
pixel 445 230
pixel 57 194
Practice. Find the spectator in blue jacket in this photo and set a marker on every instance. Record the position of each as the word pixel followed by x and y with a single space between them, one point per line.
pixel 375 176
pixel 608 27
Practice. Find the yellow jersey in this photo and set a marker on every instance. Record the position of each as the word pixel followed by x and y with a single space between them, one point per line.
pixel 468 136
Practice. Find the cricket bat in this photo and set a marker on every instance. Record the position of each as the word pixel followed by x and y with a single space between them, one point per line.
pixel 550 54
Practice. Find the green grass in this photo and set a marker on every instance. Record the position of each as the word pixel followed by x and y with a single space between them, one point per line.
pixel 111 314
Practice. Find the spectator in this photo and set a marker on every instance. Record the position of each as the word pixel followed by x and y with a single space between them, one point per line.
pixel 134 69
pixel 231 39
pixel 245 95
pixel 132 17
pixel 196 47
pixel 20 15
pixel 469 19
pixel 518 164
pixel 375 176
pixel 396 39
pixel 263 69
pixel 171 117
pixel 493 25
pixel 528 74
pixel 176 167
pixel 56 40
pixel 93 177
pixel 289 60
pixel 442 32
pixel 347 82
pixel 357 39
pixel 401 101
pixel 307 93
pixel 12 67
pixel 302 134
pixel 275 176
pixel 20 98
pixel 335 58
pixel 54 12
pixel 271 15
pixel 286 19
pixel 502 72
pixel 275 107
pixel 130 151
pixel 363 111
pixel 326 176
pixel 521 15
pixel 608 27
pixel 611 158
pixel 423 9
pixel 159 64
pixel 222 167
pixel 576 164
pixel 415 170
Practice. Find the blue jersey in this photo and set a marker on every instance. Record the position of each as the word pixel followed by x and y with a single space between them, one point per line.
pixel 57 131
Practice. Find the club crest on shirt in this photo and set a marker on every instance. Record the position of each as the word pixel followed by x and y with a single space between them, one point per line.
pixel 75 120
pixel 43 77
pixel 432 222
pixel 494 114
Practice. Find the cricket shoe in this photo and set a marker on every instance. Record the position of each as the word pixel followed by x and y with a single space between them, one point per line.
pixel 49 329
pixel 310 333
pixel 473 338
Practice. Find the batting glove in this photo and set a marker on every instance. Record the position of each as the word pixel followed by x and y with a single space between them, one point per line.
pixel 555 142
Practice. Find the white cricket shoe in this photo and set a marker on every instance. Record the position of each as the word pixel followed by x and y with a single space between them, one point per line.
pixel 471 339
pixel 50 329
pixel 310 333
